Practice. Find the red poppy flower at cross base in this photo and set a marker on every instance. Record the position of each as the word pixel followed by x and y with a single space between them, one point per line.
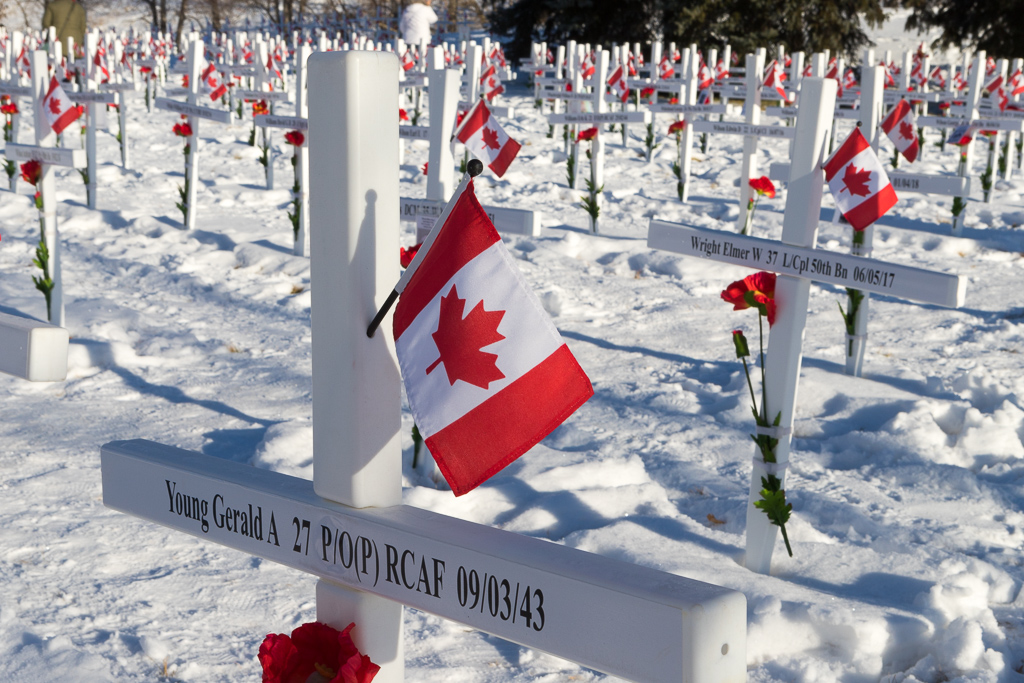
pixel 677 127
pixel 182 129
pixel 315 648
pixel 295 137
pixel 763 186
pixel 756 290
pixel 405 256
pixel 31 171
pixel 588 134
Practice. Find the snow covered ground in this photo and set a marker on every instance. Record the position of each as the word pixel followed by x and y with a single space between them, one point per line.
pixel 907 484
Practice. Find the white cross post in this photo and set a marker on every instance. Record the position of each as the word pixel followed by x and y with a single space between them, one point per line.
pixel 798 263
pixel 194 112
pixel 45 152
pixel 33 350
pixel 372 554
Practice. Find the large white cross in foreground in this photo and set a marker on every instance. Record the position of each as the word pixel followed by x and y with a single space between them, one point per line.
pixel 626 620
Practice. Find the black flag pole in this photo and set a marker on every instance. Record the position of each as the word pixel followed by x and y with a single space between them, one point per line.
pixel 474 168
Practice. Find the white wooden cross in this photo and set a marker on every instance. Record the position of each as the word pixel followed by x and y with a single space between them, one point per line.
pixel 194 112
pixel 298 122
pixel 50 156
pixel 348 525
pixel 689 108
pixel 33 350
pixel 798 263
pixel 443 99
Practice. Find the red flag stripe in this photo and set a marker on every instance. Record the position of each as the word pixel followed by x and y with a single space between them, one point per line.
pixel 854 145
pixel 474 122
pixel 505 156
pixel 451 250
pixel 872 208
pixel 519 416
pixel 66 119
pixel 897 113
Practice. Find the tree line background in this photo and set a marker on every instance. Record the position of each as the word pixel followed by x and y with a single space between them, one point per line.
pixel 808 25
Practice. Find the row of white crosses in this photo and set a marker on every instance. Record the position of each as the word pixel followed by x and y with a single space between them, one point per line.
pixel 348 527
pixel 797 263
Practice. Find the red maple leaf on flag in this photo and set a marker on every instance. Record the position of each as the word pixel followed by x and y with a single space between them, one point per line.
pixel 459 341
pixel 906 130
pixel 54 105
pixel 491 138
pixel 856 182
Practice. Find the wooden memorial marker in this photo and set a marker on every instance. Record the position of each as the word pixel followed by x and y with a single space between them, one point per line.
pixel 626 620
pixel 798 263
pixel 194 112
pixel 33 350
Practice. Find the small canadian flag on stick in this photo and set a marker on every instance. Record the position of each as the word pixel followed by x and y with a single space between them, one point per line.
pixel 899 126
pixel 481 133
pixel 59 110
pixel 617 82
pixel 858 182
pixel 486 372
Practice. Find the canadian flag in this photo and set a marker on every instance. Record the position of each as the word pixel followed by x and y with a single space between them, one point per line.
pixel 994 84
pixel 850 80
pixel 938 78
pixel 587 67
pixel 858 182
pixel 491 83
pixel 485 370
pixel 59 110
pixel 773 78
pixel 100 72
pixel 213 79
pixel 408 62
pixel 833 69
pixel 617 82
pixel 484 137
pixel 721 71
pixel 890 82
pixel 665 68
pixel 704 78
pixel 1016 83
pixel 272 68
pixel 899 126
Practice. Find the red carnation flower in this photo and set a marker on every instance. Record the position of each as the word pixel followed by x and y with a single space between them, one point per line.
pixel 763 186
pixel 295 137
pixel 588 134
pixel 315 647
pixel 757 290
pixel 405 256
pixel 402 115
pixel 9 109
pixel 426 164
pixel 31 171
pixel 646 92
pixel 183 130
pixel 677 127
pixel 184 81
pixel 260 107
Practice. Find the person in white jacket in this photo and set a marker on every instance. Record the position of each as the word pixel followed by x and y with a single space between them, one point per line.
pixel 416 21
